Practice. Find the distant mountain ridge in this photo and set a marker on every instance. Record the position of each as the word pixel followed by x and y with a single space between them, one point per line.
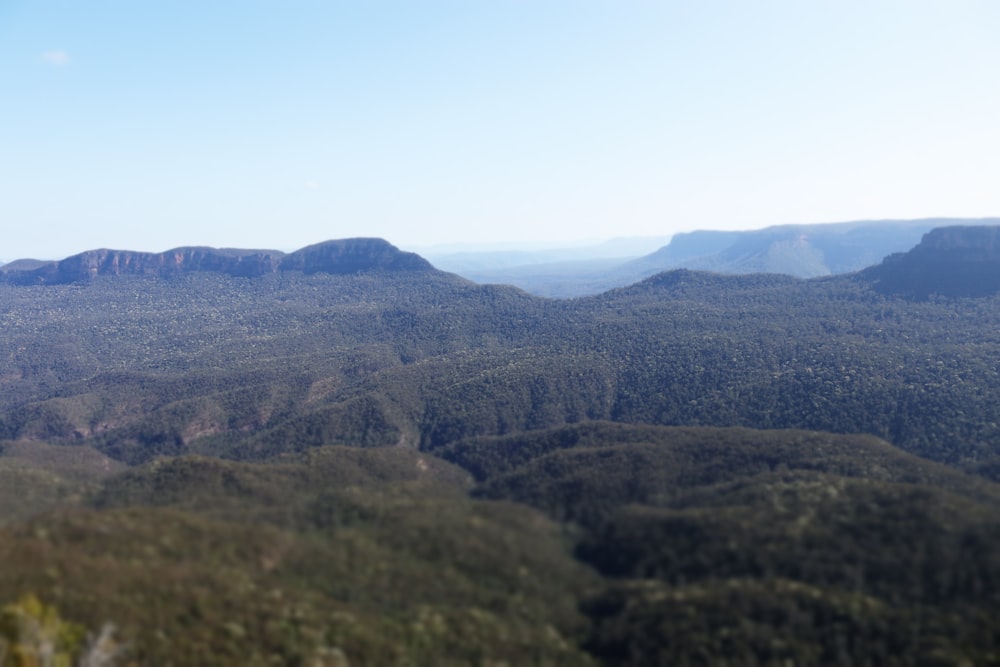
pixel 802 251
pixel 960 261
pixel 342 256
pixel 947 259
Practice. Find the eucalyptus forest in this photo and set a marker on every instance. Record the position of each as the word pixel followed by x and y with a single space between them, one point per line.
pixel 345 456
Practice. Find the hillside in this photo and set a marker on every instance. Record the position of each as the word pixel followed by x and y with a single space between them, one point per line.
pixel 202 362
pixel 691 535
pixel 354 456
pixel 805 251
pixel 746 545
pixel 235 567
pixel 953 261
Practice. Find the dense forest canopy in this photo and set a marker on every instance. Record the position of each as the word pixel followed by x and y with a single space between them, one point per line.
pixel 693 469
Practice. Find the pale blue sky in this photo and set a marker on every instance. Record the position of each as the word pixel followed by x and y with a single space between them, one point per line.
pixel 153 124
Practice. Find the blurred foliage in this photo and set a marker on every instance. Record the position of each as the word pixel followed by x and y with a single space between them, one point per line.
pixel 33 635
pixel 584 472
pixel 35 477
pixel 778 622
pixel 376 556
pixel 730 546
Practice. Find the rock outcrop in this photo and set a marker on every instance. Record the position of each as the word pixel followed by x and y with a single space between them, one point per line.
pixel 344 256
pixel 948 261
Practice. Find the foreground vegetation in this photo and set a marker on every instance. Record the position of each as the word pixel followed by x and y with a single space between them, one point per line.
pixel 662 545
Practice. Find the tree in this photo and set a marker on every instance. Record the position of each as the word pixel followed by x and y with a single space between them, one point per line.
pixel 33 635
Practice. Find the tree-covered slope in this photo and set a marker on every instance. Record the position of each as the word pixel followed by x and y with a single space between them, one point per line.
pixel 313 467
pixel 698 546
pixel 249 367
pixel 584 472
pixel 732 546
pixel 366 557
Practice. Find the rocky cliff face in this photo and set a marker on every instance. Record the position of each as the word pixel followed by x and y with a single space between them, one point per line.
pixel 180 260
pixel 340 257
pixel 805 251
pixel 949 261
pixel 103 262
pixel 977 244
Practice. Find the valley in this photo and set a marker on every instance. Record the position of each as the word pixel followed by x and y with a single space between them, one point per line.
pixel 344 456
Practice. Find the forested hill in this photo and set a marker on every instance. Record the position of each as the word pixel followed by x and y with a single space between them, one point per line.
pixel 338 257
pixel 950 261
pixel 205 362
pixel 353 458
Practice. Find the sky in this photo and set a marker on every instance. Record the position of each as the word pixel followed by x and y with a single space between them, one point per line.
pixel 280 123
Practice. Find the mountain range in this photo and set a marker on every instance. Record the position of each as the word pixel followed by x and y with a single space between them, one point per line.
pixel 350 256
pixel 345 456
pixel 804 251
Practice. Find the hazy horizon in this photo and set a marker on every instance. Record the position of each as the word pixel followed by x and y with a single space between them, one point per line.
pixel 651 243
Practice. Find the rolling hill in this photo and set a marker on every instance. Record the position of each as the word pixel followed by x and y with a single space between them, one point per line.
pixel 347 456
